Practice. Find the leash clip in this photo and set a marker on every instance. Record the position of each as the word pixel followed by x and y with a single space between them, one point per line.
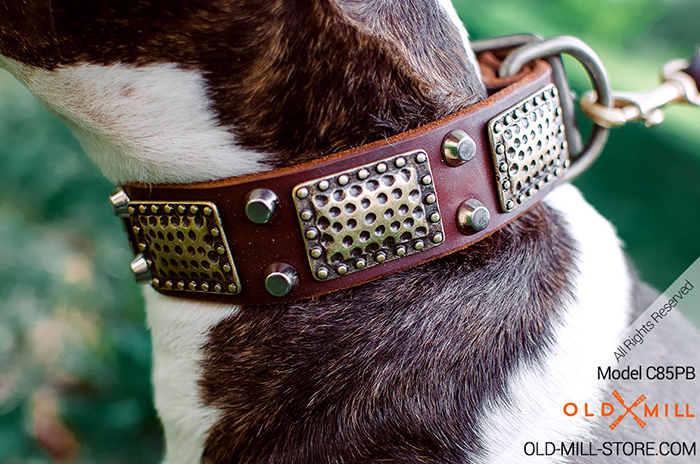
pixel 676 87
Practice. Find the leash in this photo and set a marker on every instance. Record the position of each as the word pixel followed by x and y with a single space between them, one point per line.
pixel 352 217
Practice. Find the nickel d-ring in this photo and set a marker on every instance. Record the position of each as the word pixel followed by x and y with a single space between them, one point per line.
pixel 596 71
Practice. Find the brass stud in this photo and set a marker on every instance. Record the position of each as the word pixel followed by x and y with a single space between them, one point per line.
pixel 232 288
pixel 311 234
pixel 363 174
pixel 207 211
pixel 205 287
pixel 142 246
pixel 400 251
pixel 193 209
pixel 360 263
pixel 226 267
pixel 168 209
pixel 438 238
pixel 181 209
pixel 302 193
pixel 323 185
pixel 306 214
pixel 131 210
pixel 218 288
pixel 192 285
pixel 154 209
pixel 430 199
pixel 503 166
pixel 221 250
pixel 342 269
pixel 381 168
pixel 215 232
pixel 168 284
pixel 315 252
pixel 421 158
pixel 343 180
pixel 181 285
pixel 400 162
pixel 419 245
pixel 322 273
pixel 435 217
pixel 506 184
pixel 142 209
pixel 155 282
pixel 136 229
pixel 381 257
pixel 426 180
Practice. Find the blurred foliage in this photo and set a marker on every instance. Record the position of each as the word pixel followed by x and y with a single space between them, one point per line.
pixel 74 348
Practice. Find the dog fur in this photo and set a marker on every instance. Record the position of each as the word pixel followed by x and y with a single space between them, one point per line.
pixel 450 362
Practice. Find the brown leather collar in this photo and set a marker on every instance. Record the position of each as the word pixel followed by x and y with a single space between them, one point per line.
pixel 358 215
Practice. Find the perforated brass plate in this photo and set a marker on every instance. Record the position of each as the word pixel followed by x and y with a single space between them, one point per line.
pixel 369 215
pixel 185 245
pixel 529 147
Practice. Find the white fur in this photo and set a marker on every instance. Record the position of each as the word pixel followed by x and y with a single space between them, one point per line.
pixel 454 17
pixel 151 123
pixel 585 339
pixel 179 329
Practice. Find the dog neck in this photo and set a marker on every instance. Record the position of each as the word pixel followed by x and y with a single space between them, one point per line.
pixel 227 88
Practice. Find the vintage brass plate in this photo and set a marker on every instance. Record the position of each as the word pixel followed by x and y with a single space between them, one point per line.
pixel 369 215
pixel 185 245
pixel 529 147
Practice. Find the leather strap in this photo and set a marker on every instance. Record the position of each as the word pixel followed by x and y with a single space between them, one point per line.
pixel 255 248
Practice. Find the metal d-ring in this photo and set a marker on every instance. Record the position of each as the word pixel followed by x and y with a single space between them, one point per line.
pixel 596 70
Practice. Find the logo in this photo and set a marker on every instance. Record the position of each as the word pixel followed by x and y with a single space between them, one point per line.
pixel 639 400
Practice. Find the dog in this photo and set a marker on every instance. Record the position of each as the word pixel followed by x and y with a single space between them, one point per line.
pixel 449 362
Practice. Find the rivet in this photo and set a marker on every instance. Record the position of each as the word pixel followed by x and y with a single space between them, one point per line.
pixel 557 171
pixel 435 217
pixel 430 199
pixel 437 238
pixel 218 288
pixel 168 209
pixel 400 251
pixel 322 273
pixel 567 163
pixel 142 209
pixel 421 158
pixel 360 263
pixel 381 257
pixel 181 209
pixel 528 106
pixel 529 192
pixel 363 174
pixel 232 288
pixel 306 214
pixel 553 92
pixel 342 269
pixel 548 178
pixel 193 209
pixel 323 185
pixel 472 216
pixel 168 284
pixel 280 279
pixel 508 119
pixel 302 193
pixel 510 205
pixel 136 229
pixel 120 202
pixel 155 282
pixel 154 209
pixel 142 246
pixel 181 285
pixel 226 267
pixel 207 211
pixel 419 245
pixel 343 180
pixel 426 180
pixel 311 234
pixel 315 252
pixel 221 250
pixel 261 204
pixel 215 232
pixel 458 148
pixel 521 198
pixel 540 184
pixel 205 287
pixel 500 149
pixel 192 285
pixel 131 210
pixel 506 184
pixel 503 166
pixel 381 168
pixel 497 127
pixel 400 162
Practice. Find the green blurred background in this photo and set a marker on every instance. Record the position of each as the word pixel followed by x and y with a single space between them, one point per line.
pixel 74 348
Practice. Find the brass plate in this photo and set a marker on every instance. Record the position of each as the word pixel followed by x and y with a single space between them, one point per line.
pixel 185 245
pixel 356 219
pixel 529 147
